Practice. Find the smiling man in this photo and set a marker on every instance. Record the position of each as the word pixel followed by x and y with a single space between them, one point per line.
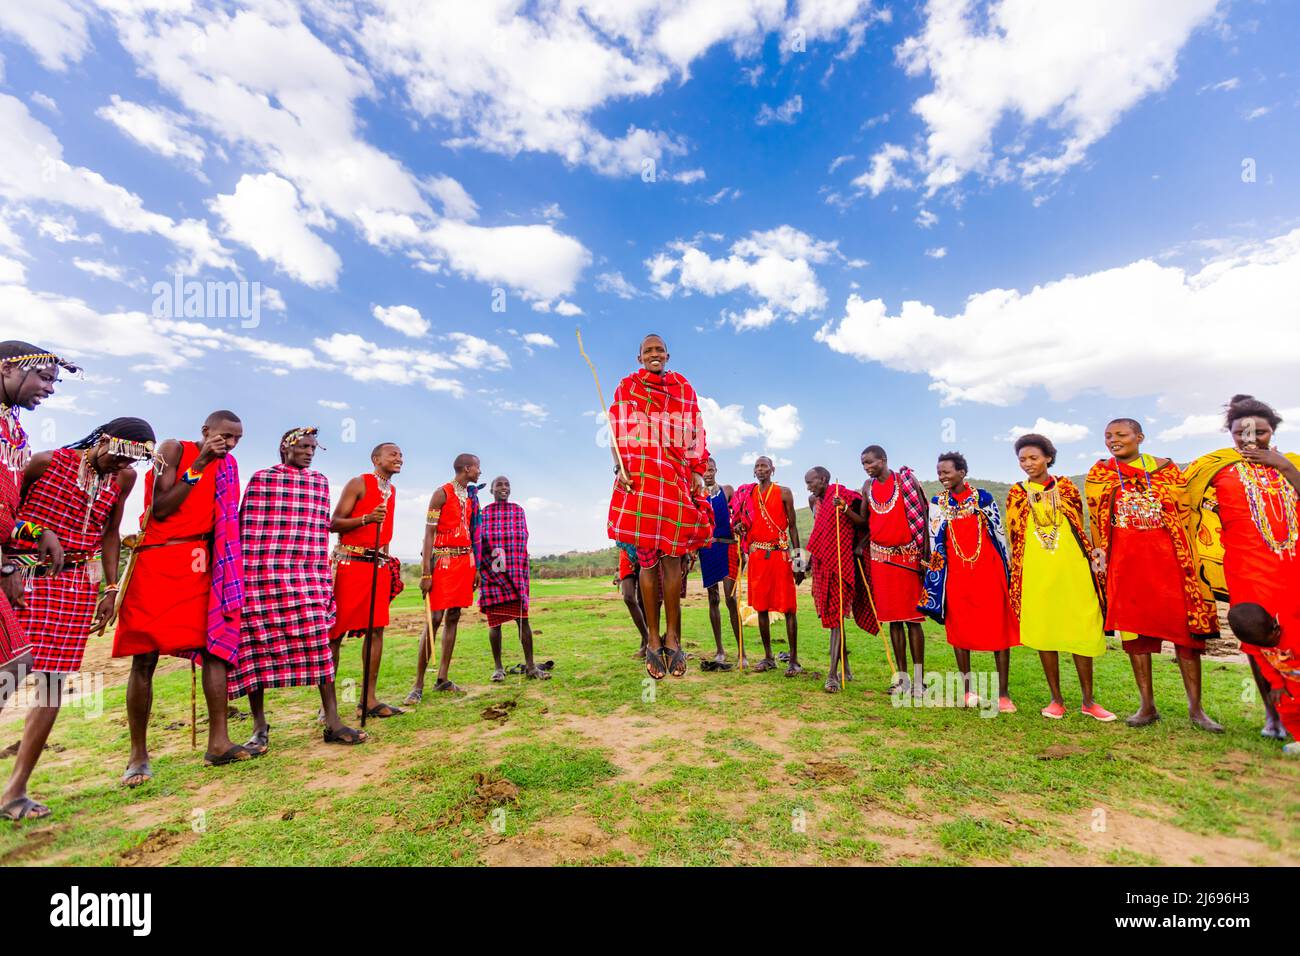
pixel 658 506
pixel 503 576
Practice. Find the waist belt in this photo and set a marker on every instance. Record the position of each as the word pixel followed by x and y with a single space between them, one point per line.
pixel 184 539
pixel 451 552
pixel 347 553
pixel 766 546
pixel 883 552
pixel 28 565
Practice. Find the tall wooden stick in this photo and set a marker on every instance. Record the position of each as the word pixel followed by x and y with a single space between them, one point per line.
pixel 600 393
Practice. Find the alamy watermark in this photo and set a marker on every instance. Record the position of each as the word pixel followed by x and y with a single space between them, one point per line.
pixel 183 298
pixel 948 689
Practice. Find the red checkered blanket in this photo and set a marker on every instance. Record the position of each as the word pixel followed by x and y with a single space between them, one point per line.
pixel 659 435
pixel 841 583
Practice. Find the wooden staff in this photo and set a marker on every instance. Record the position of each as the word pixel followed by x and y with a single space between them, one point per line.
pixel 740 610
pixel 428 630
pixel 600 393
pixel 133 542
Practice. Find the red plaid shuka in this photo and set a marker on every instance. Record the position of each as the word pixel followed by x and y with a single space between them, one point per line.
pixel 60 609
pixel 13 642
pixel 502 532
pixel 288 589
pixel 659 436
pixel 855 578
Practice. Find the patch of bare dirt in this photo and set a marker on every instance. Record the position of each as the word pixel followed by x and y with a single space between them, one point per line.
pixel 489 792
pixel 556 841
pixel 159 848
pixel 35 843
pixel 1173 846
pixel 1061 752
pixel 828 771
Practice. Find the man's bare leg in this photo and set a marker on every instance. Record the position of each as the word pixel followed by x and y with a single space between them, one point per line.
pixel 1083 667
pixel 673 581
pixel 898 642
pixel 834 677
pixel 916 637
pixel 1052 671
pixel 448 648
pixel 1003 661
pixel 139 705
pixel 12 675
pixel 376 658
pixel 648 578
pixel 526 642
pixel 733 608
pixel 715 619
pixel 215 672
pixel 628 587
pixel 963 666
pixel 329 705
pixel 793 666
pixel 1272 722
pixel 765 633
pixel 494 640
pixel 261 729
pixel 40 721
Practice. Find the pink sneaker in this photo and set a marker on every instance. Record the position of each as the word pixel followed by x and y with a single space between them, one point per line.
pixel 971 700
pixel 1056 711
pixel 1005 706
pixel 1097 712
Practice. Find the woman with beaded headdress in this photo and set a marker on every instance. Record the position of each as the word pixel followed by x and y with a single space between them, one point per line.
pixel 1143 547
pixel 28 375
pixel 1055 590
pixel 78 492
pixel 1246 505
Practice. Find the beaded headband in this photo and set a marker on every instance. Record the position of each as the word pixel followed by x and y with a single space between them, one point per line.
pixel 39 360
pixel 297 434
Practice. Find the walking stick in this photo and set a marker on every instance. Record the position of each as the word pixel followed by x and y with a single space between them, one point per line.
pixel 740 610
pixel 600 393
pixel 370 624
pixel 428 630
pixel 137 539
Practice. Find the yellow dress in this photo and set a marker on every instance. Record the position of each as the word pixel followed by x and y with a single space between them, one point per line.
pixel 1058 606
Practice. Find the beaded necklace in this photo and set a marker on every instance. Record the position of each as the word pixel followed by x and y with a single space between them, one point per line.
pixel 888 506
pixel 1047 528
pixel 1269 494
pixel 15 449
pixel 1137 508
pixel 950 509
pixel 89 480
pixel 782 537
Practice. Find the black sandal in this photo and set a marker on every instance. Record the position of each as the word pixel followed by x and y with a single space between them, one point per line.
pixel 260 742
pixel 766 664
pixel 654 661
pixel 233 755
pixel 677 662
pixel 382 710
pixel 24 808
pixel 447 687
pixel 346 735
pixel 143 770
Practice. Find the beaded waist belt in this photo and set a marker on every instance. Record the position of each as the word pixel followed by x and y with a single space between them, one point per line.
pixel 347 553
pixel 767 546
pixel 883 552
pixel 451 552
pixel 31 566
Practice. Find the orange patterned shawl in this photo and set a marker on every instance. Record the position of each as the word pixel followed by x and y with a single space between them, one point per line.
pixel 1169 486
pixel 1017 533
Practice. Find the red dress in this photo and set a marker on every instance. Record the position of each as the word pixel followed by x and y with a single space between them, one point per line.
pixel 453 570
pixel 60 609
pixel 355 570
pixel 165 607
pixel 13 642
pixel 769 585
pixel 895 577
pixel 1255 574
pixel 978 597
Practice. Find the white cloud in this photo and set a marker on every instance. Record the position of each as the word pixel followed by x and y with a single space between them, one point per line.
pixel 1089 63
pixel 774 266
pixel 64 229
pixel 938 252
pixel 474 352
pixel 1143 329
pixel 1199 426
pixel 403 318
pixel 55 30
pixel 567 308
pixel 1258 112
pixel 45 102
pixel 155 387
pixel 529 414
pixel 838 161
pixel 725 425
pixel 1061 433
pixel 367 362
pixel 883 174
pixel 687 176
pixel 32 168
pixel 614 283
pixel 331 404
pixel 925 219
pixel 540 340
pixel 11 270
pixel 264 214
pixel 780 425
pixel 534 258
pixel 159 130
pixel 451 195
pixel 100 269
pixel 786 113
pixel 1223 86
pixel 725 192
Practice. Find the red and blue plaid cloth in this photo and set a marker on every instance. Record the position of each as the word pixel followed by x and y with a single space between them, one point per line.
pixel 659 436
pixel 841 584
pixel 226 598
pixel 502 549
pixel 288 589
pixel 13 642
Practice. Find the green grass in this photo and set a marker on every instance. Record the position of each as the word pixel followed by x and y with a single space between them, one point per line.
pixel 608 768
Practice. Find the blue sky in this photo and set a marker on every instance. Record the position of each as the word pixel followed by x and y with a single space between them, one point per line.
pixel 920 225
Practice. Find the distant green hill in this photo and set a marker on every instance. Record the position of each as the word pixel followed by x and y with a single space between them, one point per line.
pixel 604 563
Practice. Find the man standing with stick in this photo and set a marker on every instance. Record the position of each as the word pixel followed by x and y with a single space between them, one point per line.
pixel 366 577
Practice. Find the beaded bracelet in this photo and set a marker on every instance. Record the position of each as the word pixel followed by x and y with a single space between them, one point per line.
pixel 25 530
pixel 191 477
